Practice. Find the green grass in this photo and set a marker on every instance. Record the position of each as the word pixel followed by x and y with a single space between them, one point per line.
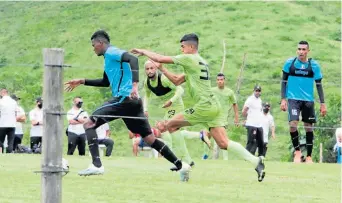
pixel 147 180
pixel 267 31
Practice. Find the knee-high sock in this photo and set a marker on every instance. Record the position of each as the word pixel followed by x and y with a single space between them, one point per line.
pixel 244 153
pixel 190 135
pixel 179 147
pixel 164 150
pixel 167 138
pixel 93 146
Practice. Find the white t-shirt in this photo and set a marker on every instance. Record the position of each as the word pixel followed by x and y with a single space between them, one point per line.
pixel 19 125
pixel 267 122
pixel 8 107
pixel 101 131
pixel 36 114
pixel 254 112
pixel 78 129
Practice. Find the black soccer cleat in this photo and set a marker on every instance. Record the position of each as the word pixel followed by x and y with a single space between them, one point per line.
pixel 192 164
pixel 260 169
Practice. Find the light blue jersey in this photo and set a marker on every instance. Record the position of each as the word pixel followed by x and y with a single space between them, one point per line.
pixel 119 73
pixel 300 85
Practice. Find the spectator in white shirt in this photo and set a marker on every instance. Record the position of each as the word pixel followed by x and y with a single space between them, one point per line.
pixel 267 123
pixel 21 118
pixel 103 133
pixel 76 134
pixel 253 111
pixel 36 118
pixel 8 109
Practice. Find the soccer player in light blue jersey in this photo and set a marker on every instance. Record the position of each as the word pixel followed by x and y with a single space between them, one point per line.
pixel 122 76
pixel 297 96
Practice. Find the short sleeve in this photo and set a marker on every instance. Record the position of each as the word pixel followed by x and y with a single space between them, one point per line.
pixel 70 115
pixel 32 116
pixel 248 102
pixel 316 68
pixel 287 65
pixel 182 59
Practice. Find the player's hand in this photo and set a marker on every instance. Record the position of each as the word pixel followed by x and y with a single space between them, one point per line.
pixel 167 104
pixel 72 84
pixel 135 92
pixel 138 52
pixel 236 122
pixel 323 110
pixel 283 105
pixel 146 114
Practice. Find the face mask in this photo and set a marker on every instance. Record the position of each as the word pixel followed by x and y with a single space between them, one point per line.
pixel 79 104
pixel 266 110
pixel 40 105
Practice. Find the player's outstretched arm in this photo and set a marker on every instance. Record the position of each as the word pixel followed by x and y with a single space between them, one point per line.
pixel 153 56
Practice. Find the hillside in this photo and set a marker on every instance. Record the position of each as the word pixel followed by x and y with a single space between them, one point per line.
pixel 267 32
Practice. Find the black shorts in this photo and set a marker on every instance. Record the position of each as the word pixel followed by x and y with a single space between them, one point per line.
pixel 122 107
pixel 305 108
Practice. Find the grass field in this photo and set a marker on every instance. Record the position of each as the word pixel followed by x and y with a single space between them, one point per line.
pixel 143 180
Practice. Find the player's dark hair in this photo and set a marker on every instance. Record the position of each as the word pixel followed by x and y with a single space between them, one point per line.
pixel 221 75
pixel 101 35
pixel 304 43
pixel 192 37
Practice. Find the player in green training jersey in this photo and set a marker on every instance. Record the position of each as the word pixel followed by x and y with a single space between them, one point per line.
pixel 206 107
pixel 227 100
pixel 158 88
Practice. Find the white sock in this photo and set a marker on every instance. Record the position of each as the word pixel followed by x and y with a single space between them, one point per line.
pixel 239 149
pixel 190 135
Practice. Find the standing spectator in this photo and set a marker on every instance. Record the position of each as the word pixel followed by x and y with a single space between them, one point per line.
pixel 253 111
pixel 36 118
pixel 267 123
pixel 21 118
pixel 103 133
pixel 76 133
pixel 7 119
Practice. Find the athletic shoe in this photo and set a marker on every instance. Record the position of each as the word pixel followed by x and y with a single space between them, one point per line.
pixel 308 160
pixel 260 169
pixel 92 170
pixel 205 156
pixel 297 156
pixel 185 172
pixel 192 164
pixel 205 138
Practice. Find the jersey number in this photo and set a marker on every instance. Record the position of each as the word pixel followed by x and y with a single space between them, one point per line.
pixel 205 70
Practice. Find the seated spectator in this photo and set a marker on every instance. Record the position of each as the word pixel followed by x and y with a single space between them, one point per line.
pixel 36 132
pixel 338 145
pixel 76 134
pixel 103 134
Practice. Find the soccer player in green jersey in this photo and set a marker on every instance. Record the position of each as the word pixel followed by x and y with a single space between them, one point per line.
pixel 158 88
pixel 206 108
pixel 227 100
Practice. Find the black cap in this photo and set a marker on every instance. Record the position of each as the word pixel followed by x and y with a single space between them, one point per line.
pixel 266 104
pixel 257 87
pixel 13 96
pixel 39 99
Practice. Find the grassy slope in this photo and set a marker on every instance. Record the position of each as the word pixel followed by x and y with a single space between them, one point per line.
pixel 131 180
pixel 267 32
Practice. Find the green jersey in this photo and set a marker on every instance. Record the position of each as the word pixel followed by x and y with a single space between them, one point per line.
pixel 166 91
pixel 197 78
pixel 226 98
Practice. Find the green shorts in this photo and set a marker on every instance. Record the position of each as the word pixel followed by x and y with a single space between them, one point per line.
pixel 206 112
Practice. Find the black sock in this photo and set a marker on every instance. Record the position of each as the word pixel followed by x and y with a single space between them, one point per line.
pixel 265 149
pixel 164 150
pixel 93 146
pixel 295 140
pixel 309 142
